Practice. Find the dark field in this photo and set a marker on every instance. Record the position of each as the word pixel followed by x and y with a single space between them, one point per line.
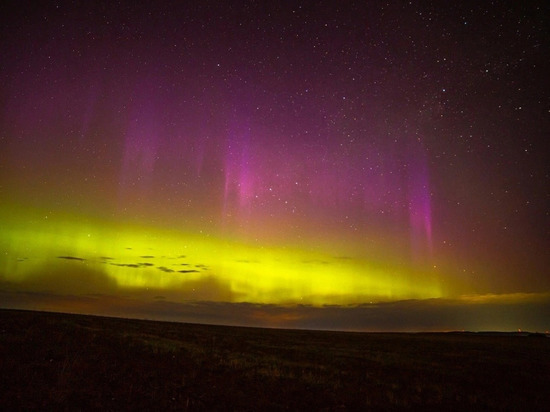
pixel 72 362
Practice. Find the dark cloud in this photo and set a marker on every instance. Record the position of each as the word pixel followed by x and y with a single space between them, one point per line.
pixel 410 316
pixel 188 271
pixel 126 265
pixel 165 269
pixel 132 265
pixel 71 258
pixel 529 312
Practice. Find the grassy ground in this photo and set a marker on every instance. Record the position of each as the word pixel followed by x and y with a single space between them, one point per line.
pixel 71 362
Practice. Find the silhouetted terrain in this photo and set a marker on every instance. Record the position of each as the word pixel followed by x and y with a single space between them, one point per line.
pixel 73 362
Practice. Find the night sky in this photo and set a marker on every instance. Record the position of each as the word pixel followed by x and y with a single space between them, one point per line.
pixel 335 165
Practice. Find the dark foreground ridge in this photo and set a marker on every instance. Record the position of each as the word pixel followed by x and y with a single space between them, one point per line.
pixel 52 361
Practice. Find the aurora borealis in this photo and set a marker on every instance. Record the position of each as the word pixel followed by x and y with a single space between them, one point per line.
pixel 370 166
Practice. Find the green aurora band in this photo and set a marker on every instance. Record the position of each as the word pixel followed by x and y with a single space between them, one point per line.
pixel 151 261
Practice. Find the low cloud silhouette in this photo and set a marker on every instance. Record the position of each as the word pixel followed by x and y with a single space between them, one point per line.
pixel 76 286
pixel 71 258
pixel 406 316
pixel 126 265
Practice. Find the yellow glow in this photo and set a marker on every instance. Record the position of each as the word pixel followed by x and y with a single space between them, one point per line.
pixel 518 297
pixel 178 264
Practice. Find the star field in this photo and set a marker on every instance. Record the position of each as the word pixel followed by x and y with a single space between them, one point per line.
pixel 403 142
